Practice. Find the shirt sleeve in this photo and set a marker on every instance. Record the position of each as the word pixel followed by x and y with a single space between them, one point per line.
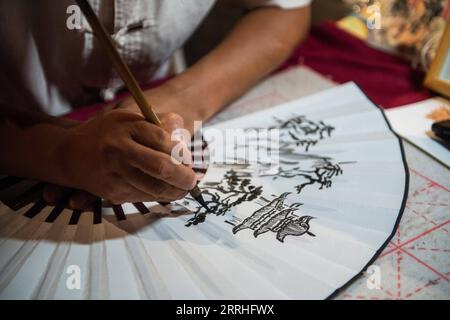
pixel 284 4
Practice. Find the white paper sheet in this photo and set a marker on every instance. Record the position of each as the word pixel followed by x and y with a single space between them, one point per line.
pixel 413 121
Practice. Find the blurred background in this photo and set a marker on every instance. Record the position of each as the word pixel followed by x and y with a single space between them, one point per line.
pixel 410 28
pixel 222 18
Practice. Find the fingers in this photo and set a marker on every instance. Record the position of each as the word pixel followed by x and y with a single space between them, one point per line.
pixel 160 166
pixel 53 193
pixel 171 121
pixel 155 189
pixel 131 160
pixel 153 137
pixel 81 200
pixel 158 139
pixel 129 193
pixel 78 199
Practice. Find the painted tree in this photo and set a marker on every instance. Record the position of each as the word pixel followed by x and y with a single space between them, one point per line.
pixel 234 189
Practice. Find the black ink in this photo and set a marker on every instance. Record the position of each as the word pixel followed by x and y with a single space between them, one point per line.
pixel 276 217
pixel 234 189
pixel 297 135
pixel 301 131
pixel 321 173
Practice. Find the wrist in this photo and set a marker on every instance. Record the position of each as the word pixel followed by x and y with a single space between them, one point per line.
pixel 66 122
pixel 191 96
pixel 182 100
pixel 176 97
pixel 67 156
pixel 59 156
pixel 50 145
pixel 31 151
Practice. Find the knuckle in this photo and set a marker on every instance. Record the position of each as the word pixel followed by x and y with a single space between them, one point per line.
pixel 163 170
pixel 113 151
pixel 109 148
pixel 161 136
pixel 140 127
pixel 175 118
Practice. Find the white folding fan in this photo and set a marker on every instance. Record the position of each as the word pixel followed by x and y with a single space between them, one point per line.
pixel 298 225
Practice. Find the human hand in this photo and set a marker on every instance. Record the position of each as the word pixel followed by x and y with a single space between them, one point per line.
pixel 165 99
pixel 121 157
pixel 74 199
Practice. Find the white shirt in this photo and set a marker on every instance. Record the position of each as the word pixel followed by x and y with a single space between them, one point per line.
pixel 46 66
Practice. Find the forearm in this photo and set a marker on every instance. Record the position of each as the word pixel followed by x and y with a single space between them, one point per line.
pixel 28 142
pixel 31 151
pixel 260 41
pixel 27 118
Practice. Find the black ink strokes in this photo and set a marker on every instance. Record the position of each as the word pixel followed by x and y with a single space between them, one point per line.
pixel 322 175
pixel 263 215
pixel 297 132
pixel 234 189
pixel 302 131
pixel 242 181
pixel 321 172
pixel 276 217
pixel 294 226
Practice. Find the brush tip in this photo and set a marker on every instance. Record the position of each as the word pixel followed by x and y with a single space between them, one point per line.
pixel 200 200
pixel 197 195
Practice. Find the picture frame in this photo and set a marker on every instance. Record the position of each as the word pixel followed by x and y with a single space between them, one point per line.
pixel 438 76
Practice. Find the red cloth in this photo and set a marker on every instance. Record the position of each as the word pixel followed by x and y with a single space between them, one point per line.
pixel 386 79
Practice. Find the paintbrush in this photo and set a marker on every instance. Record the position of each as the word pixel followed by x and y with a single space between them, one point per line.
pixel 127 77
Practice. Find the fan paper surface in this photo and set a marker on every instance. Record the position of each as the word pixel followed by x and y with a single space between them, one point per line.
pixel 300 227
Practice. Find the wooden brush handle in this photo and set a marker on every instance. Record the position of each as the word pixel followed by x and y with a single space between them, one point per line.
pixel 118 63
